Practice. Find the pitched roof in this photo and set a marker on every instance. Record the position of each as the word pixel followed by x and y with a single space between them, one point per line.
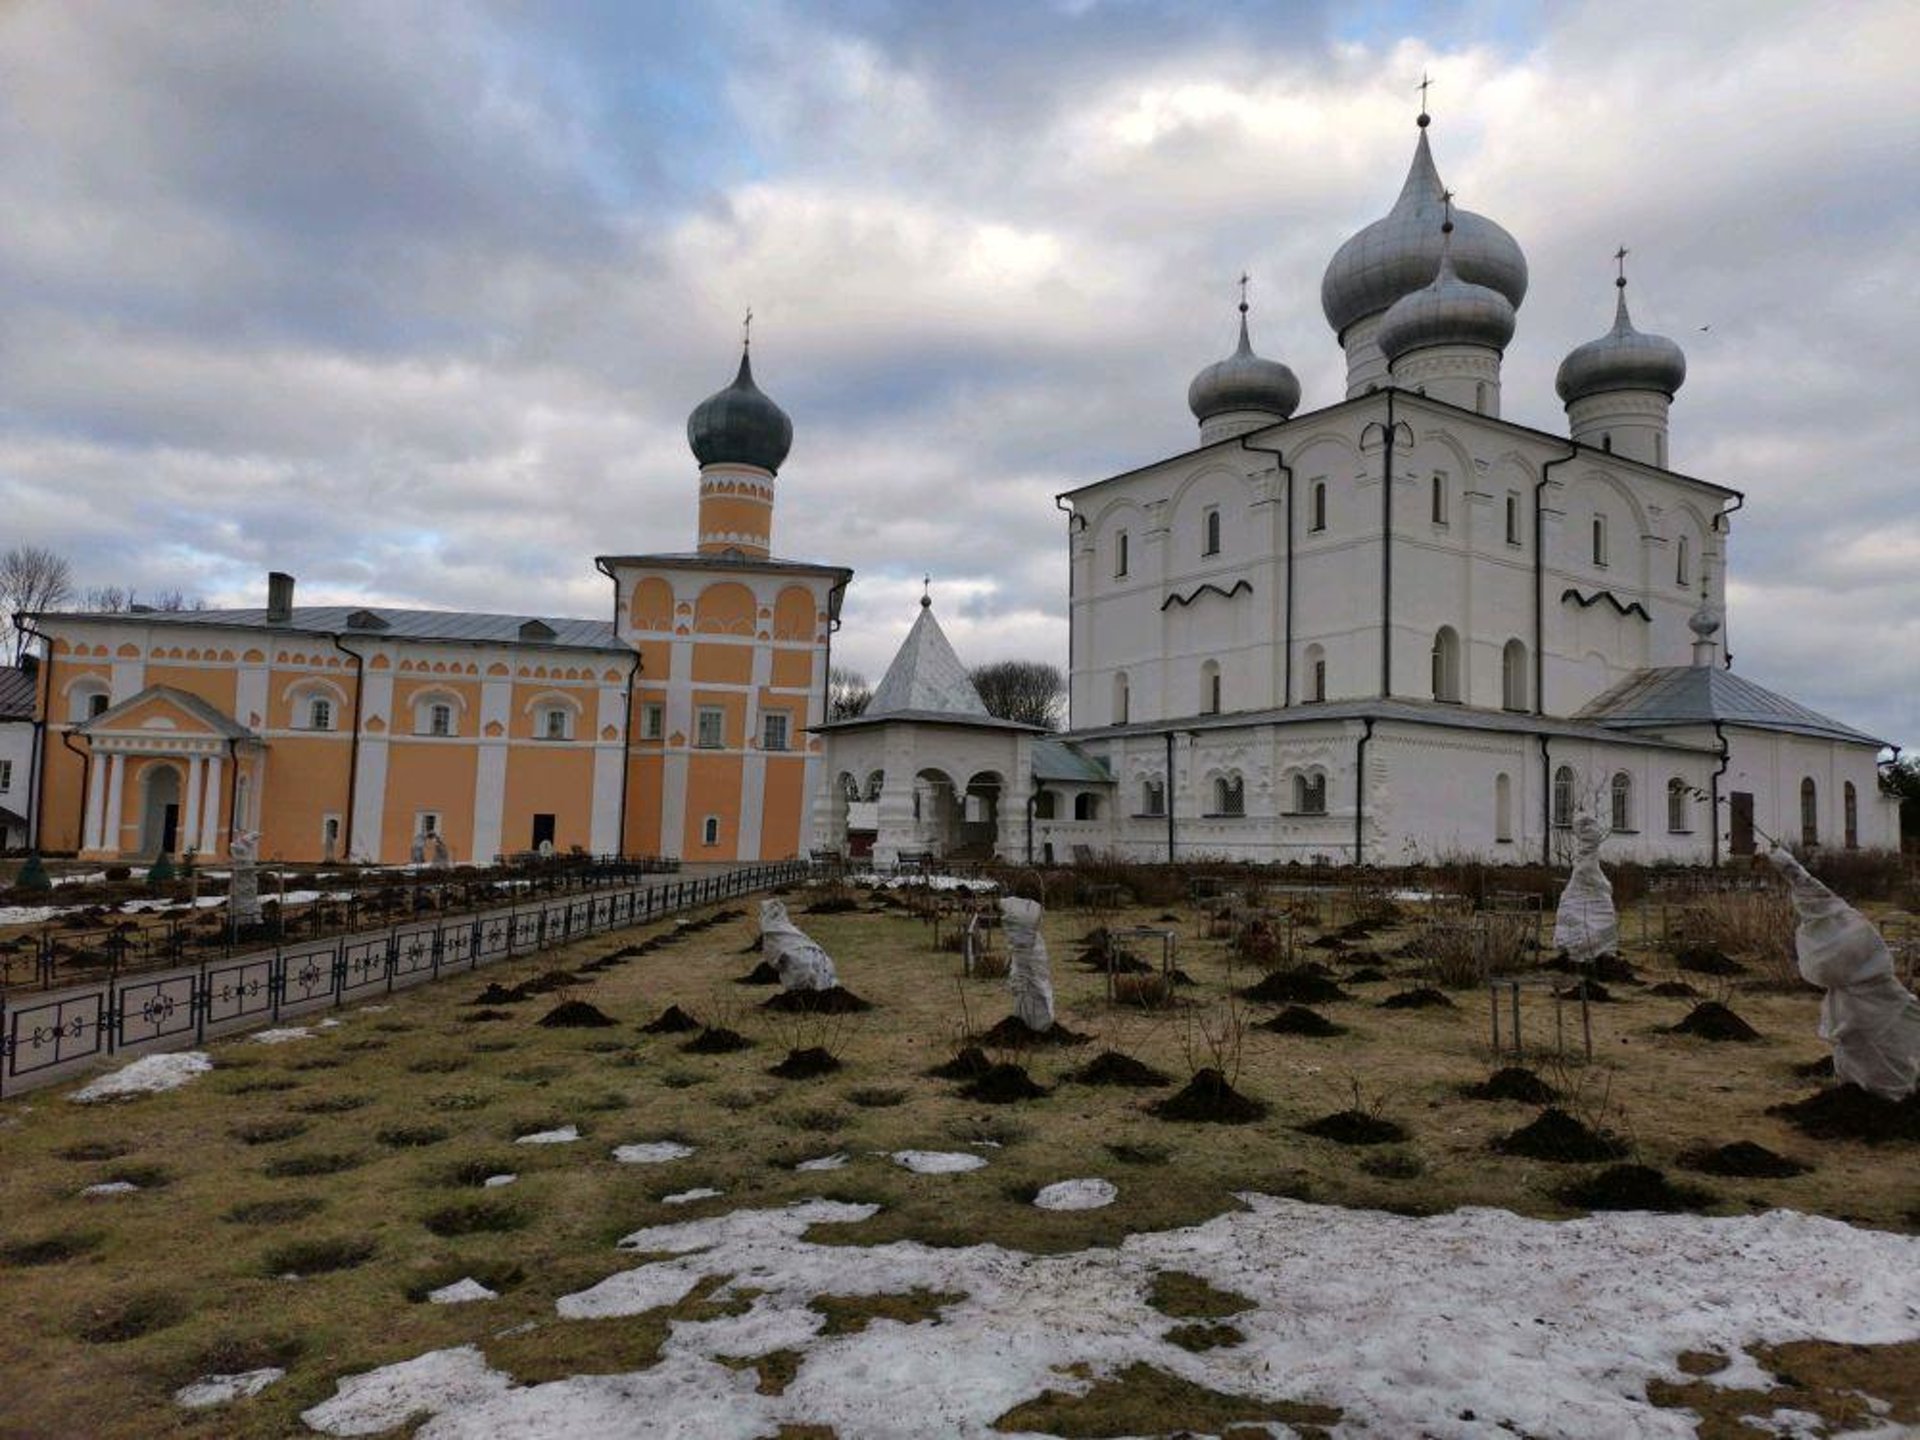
pixel 489 629
pixel 1057 760
pixel 16 693
pixel 1703 694
pixel 206 714
pixel 926 677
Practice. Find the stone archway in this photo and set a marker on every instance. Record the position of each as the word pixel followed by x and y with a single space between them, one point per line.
pixel 159 809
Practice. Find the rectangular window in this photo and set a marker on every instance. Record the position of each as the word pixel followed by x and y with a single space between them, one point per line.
pixel 440 720
pixel 543 830
pixel 1120 555
pixel 1153 798
pixel 653 721
pixel 1439 497
pixel 1317 507
pixel 1211 528
pixel 6 775
pixel 1600 540
pixel 710 830
pixel 773 730
pixel 427 822
pixel 556 724
pixel 1319 680
pixel 710 731
pixel 1513 517
pixel 320 715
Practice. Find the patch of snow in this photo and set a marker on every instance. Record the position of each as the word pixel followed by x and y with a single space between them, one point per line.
pixel 937 1162
pixel 148 1075
pixel 835 1161
pixel 438 1381
pixel 220 1389
pixel 461 1292
pixel 494 1182
pixel 1551 1328
pixel 687 1197
pixel 653 1152
pixel 111 1187
pixel 283 1036
pixel 92 877
pixel 939 882
pixel 565 1135
pixel 34 914
pixel 330 1023
pixel 1091 1194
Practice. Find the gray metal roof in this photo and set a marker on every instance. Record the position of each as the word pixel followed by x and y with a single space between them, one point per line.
pixel 1058 760
pixel 740 424
pixel 1703 694
pixel 927 676
pixel 202 711
pixel 722 560
pixel 469 626
pixel 16 693
pixel 1622 359
pixel 1244 381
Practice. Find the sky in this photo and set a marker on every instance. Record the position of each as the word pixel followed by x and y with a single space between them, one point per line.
pixel 411 298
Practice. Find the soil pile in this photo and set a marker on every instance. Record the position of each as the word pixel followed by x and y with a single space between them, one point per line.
pixel 481 1017
pixel 1002 1085
pixel 1103 961
pixel 1674 990
pixel 1298 1020
pixel 1610 968
pixel 1354 1127
pixel 548 981
pixel 1597 994
pixel 1711 1020
pixel 1110 1067
pixel 576 1015
pixel 1742 1158
pixel 806 1064
pixel 761 974
pixel 833 905
pixel 837 1001
pixel 1557 1136
pixel 1366 975
pixel 1328 942
pixel 717 1040
pixel 1209 1099
pixel 970 1064
pixel 1515 1082
pixel 1295 987
pixel 1846 1112
pixel 1706 960
pixel 497 994
pixel 1821 1069
pixel 671 1021
pixel 1013 1034
pixel 1425 998
pixel 1633 1187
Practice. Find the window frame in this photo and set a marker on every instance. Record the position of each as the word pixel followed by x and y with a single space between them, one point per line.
pixel 710 831
pixel 6 776
pixel 440 720
pixel 1563 796
pixel 1513 518
pixel 1317 507
pixel 319 712
pixel 702 715
pixel 545 729
pixel 784 719
pixel 1153 798
pixel 1229 797
pixel 1679 820
pixel 1122 554
pixel 1620 804
pixel 1809 812
pixel 653 720
pixel 1310 792
pixel 1601 548
pixel 1210 531
pixel 1437 489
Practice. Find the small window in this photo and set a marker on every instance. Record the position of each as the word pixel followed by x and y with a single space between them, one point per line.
pixel 1678 820
pixel 1086 807
pixel 1513 517
pixel 1606 441
pixel 553 723
pixel 1043 805
pixel 427 822
pixel 97 703
pixel 1683 563
pixel 1153 797
pixel 1849 799
pixel 1445 661
pixel 1211 529
pixel 440 719
pixel 1317 507
pixel 1310 794
pixel 710 731
pixel 6 776
pixel 1316 673
pixel 1621 794
pixel 1563 798
pixel 1120 555
pixel 1809 813
pixel 773 730
pixel 1600 541
pixel 1229 796
pixel 1210 688
pixel 319 714
pixel 1503 809
pixel 1513 676
pixel 710 830
pixel 1439 488
pixel 1122 695
pixel 653 721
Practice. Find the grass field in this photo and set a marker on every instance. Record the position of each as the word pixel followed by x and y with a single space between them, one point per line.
pixel 355 1158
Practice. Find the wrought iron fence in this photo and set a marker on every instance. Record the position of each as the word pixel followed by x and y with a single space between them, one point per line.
pixel 43 1037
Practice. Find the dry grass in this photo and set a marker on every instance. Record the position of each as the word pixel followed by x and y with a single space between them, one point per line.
pixel 1754 927
pixel 108 1266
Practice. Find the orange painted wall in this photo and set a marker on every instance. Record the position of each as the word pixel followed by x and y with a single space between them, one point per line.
pixel 734 704
pixel 793 669
pixel 713 788
pixel 645 777
pixel 783 807
pixel 215 686
pixel 715 664
pixel 306 780
pixel 62 796
pixel 283 686
pixel 429 776
pixel 409 689
pixel 555 780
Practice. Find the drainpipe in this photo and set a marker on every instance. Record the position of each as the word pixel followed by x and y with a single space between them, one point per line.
pixel 626 725
pixel 1360 784
pixel 233 793
pixel 1169 797
pixel 1546 794
pixel 826 698
pixel 1067 510
pixel 1386 579
pixel 1725 527
pixel 353 742
pixel 34 767
pixel 1033 799
pixel 1540 596
pixel 1726 759
pixel 1286 663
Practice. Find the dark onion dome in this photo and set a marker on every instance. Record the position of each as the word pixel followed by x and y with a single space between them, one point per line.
pixel 1622 359
pixel 1450 311
pixel 740 426
pixel 1397 253
pixel 1244 381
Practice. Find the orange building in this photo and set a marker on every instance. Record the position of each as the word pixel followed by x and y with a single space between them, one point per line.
pixel 339 732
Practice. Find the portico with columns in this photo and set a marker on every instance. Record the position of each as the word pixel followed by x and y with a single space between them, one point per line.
pixel 161 777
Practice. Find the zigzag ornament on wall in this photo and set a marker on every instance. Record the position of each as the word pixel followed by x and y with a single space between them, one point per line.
pixel 1199 590
pixel 1630 607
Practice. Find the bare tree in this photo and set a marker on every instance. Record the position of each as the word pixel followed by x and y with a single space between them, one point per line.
pixel 31 578
pixel 1029 691
pixel 117 600
pixel 848 693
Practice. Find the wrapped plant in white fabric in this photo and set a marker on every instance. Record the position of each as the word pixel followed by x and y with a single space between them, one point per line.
pixel 1870 1018
pixel 1029 975
pixel 1586 925
pixel 802 964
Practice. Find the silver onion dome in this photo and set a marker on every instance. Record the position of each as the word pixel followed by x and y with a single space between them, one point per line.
pixel 1399 252
pixel 740 425
pixel 1449 311
pixel 1244 381
pixel 1622 359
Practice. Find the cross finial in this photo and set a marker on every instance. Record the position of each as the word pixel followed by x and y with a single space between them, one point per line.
pixel 1446 206
pixel 926 592
pixel 1422 87
pixel 746 330
pixel 1620 259
pixel 1245 279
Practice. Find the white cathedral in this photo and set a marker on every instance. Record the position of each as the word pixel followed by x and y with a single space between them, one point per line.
pixel 1394 629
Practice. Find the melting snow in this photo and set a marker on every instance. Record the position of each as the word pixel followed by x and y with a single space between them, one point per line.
pixel 939 882
pixel 653 1152
pixel 219 1389
pixel 687 1197
pixel 461 1292
pixel 111 1187
pixel 494 1182
pixel 281 1037
pixel 937 1162
pixel 565 1135
pixel 148 1075
pixel 824 1162
pixel 1550 1328
pixel 1077 1195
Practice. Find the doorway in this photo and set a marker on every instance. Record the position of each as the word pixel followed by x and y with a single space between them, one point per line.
pixel 159 810
pixel 1740 813
pixel 542 831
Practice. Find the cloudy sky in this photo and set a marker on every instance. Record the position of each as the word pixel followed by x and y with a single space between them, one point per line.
pixel 412 298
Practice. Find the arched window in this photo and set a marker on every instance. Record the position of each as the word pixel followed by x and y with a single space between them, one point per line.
pixel 710 830
pixel 1120 555
pixel 1439 496
pixel 1563 797
pixel 436 714
pixel 1086 807
pixel 1210 688
pixel 1317 506
pixel 553 722
pixel 1502 809
pixel 87 699
pixel 1809 813
pixel 1446 665
pixel 1310 794
pixel 1229 795
pixel 319 713
pixel 1620 792
pixel 1316 673
pixel 1513 676
pixel 1153 797
pixel 1210 543
pixel 1043 805
pixel 1600 541
pixel 876 782
pixel 1677 798
pixel 1683 562
pixel 1850 806
pixel 1120 698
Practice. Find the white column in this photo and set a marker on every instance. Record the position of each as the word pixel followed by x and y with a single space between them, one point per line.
pixel 97 802
pixel 210 816
pixel 116 780
pixel 190 826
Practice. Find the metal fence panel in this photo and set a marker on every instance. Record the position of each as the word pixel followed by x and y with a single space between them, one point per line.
pixel 364 964
pixel 307 974
pixel 146 1010
pixel 241 990
pixel 415 953
pixel 39 1037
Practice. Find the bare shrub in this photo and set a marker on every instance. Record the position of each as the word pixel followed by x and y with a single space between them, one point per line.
pixel 1754 927
pixel 1460 954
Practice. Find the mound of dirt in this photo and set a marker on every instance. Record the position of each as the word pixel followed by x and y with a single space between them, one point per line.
pixel 1742 1158
pixel 1002 1085
pixel 1295 987
pixel 1298 1020
pixel 1425 998
pixel 1597 994
pixel 837 1001
pixel 1633 1187
pixel 1209 1099
pixel 547 981
pixel 970 1064
pixel 1110 1067
pixel 1557 1136
pixel 1354 1127
pixel 1846 1112
pixel 1821 1069
pixel 1674 990
pixel 806 1064
pixel 1610 968
pixel 498 994
pixel 1013 1034
pixel 1328 942
pixel 481 1017
pixel 1367 975
pixel 1514 1082
pixel 1355 930
pixel 1710 1020
pixel 671 1021
pixel 576 1015
pixel 833 905
pixel 1706 960
pixel 761 974
pixel 1119 962
pixel 717 1040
